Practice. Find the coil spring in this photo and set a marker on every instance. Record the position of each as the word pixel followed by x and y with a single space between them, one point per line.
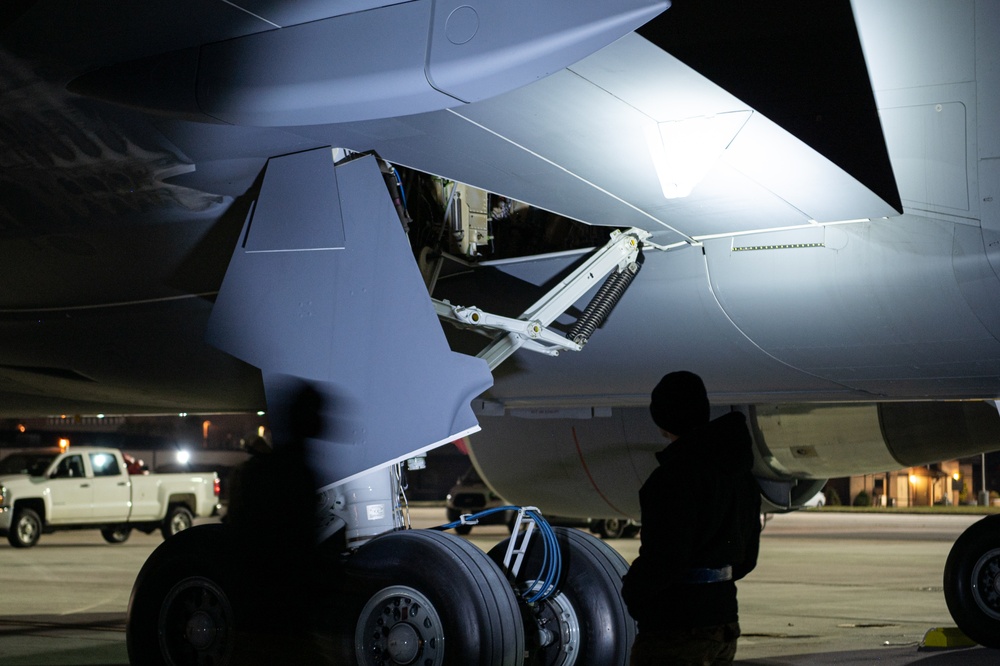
pixel 603 302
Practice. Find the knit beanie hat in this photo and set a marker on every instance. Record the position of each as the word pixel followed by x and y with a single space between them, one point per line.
pixel 679 403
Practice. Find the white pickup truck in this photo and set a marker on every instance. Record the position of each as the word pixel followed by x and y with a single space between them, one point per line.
pixel 90 487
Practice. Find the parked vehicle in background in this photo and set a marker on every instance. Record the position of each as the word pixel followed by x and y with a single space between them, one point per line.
pixel 89 487
pixel 817 500
pixel 614 528
pixel 471 495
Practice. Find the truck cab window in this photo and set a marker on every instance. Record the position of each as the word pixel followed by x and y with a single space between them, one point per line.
pixel 70 467
pixel 104 464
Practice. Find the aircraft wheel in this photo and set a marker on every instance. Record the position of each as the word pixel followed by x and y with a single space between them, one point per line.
pixel 611 528
pixel 25 530
pixel 178 518
pixel 116 533
pixel 182 610
pixel 972 582
pixel 434 599
pixel 586 621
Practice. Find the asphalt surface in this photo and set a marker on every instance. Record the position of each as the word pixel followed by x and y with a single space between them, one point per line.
pixel 830 588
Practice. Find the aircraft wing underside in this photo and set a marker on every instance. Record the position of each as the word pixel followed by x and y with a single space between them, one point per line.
pixel 123 221
pixel 589 143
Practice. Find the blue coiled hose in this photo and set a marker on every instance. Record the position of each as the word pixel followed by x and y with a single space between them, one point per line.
pixel 551 569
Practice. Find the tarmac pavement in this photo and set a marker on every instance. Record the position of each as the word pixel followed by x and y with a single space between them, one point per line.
pixel 830 588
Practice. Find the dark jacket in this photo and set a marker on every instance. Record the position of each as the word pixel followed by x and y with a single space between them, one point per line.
pixel 700 509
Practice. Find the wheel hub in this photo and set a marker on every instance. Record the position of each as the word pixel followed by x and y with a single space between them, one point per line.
pixel 399 625
pixel 195 622
pixel 558 630
pixel 200 630
pixel 26 530
pixel 403 643
pixel 986 583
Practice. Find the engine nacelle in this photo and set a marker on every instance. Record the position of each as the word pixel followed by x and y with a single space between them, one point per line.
pixel 591 462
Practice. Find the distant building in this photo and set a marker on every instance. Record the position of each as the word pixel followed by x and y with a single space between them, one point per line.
pixel 951 482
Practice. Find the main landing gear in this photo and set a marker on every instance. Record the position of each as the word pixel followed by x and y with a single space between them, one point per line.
pixel 972 582
pixel 323 261
pixel 432 598
pixel 545 596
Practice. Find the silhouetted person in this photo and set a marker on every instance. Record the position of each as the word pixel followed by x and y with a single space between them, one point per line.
pixel 700 531
pixel 272 512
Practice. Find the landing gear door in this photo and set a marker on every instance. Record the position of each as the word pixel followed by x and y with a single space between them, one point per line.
pixel 323 287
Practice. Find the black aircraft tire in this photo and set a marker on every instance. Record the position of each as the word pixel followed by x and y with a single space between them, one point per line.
pixel 182 610
pixel 589 592
pixel 116 533
pixel 178 519
pixel 416 590
pixel 972 582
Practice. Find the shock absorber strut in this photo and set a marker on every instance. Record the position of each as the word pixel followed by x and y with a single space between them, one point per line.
pixel 620 257
pixel 604 301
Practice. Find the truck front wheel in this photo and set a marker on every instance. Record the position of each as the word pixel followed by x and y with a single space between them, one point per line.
pixel 178 519
pixel 25 530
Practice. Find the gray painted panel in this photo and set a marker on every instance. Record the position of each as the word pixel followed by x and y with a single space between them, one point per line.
pixel 355 322
pixel 877 312
pixel 927 146
pixel 286 13
pixel 570 467
pixel 310 221
pixel 654 82
pixel 480 47
pixel 936 36
pixel 331 70
pixel 977 277
pixel 809 183
pixel 989 179
pixel 988 77
pixel 667 320
pixel 448 145
pixel 588 131
pixel 579 148
pixel 879 307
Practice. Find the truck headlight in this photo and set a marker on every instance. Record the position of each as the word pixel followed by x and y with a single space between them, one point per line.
pixel 3 496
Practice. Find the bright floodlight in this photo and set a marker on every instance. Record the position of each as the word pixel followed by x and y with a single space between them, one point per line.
pixel 683 151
